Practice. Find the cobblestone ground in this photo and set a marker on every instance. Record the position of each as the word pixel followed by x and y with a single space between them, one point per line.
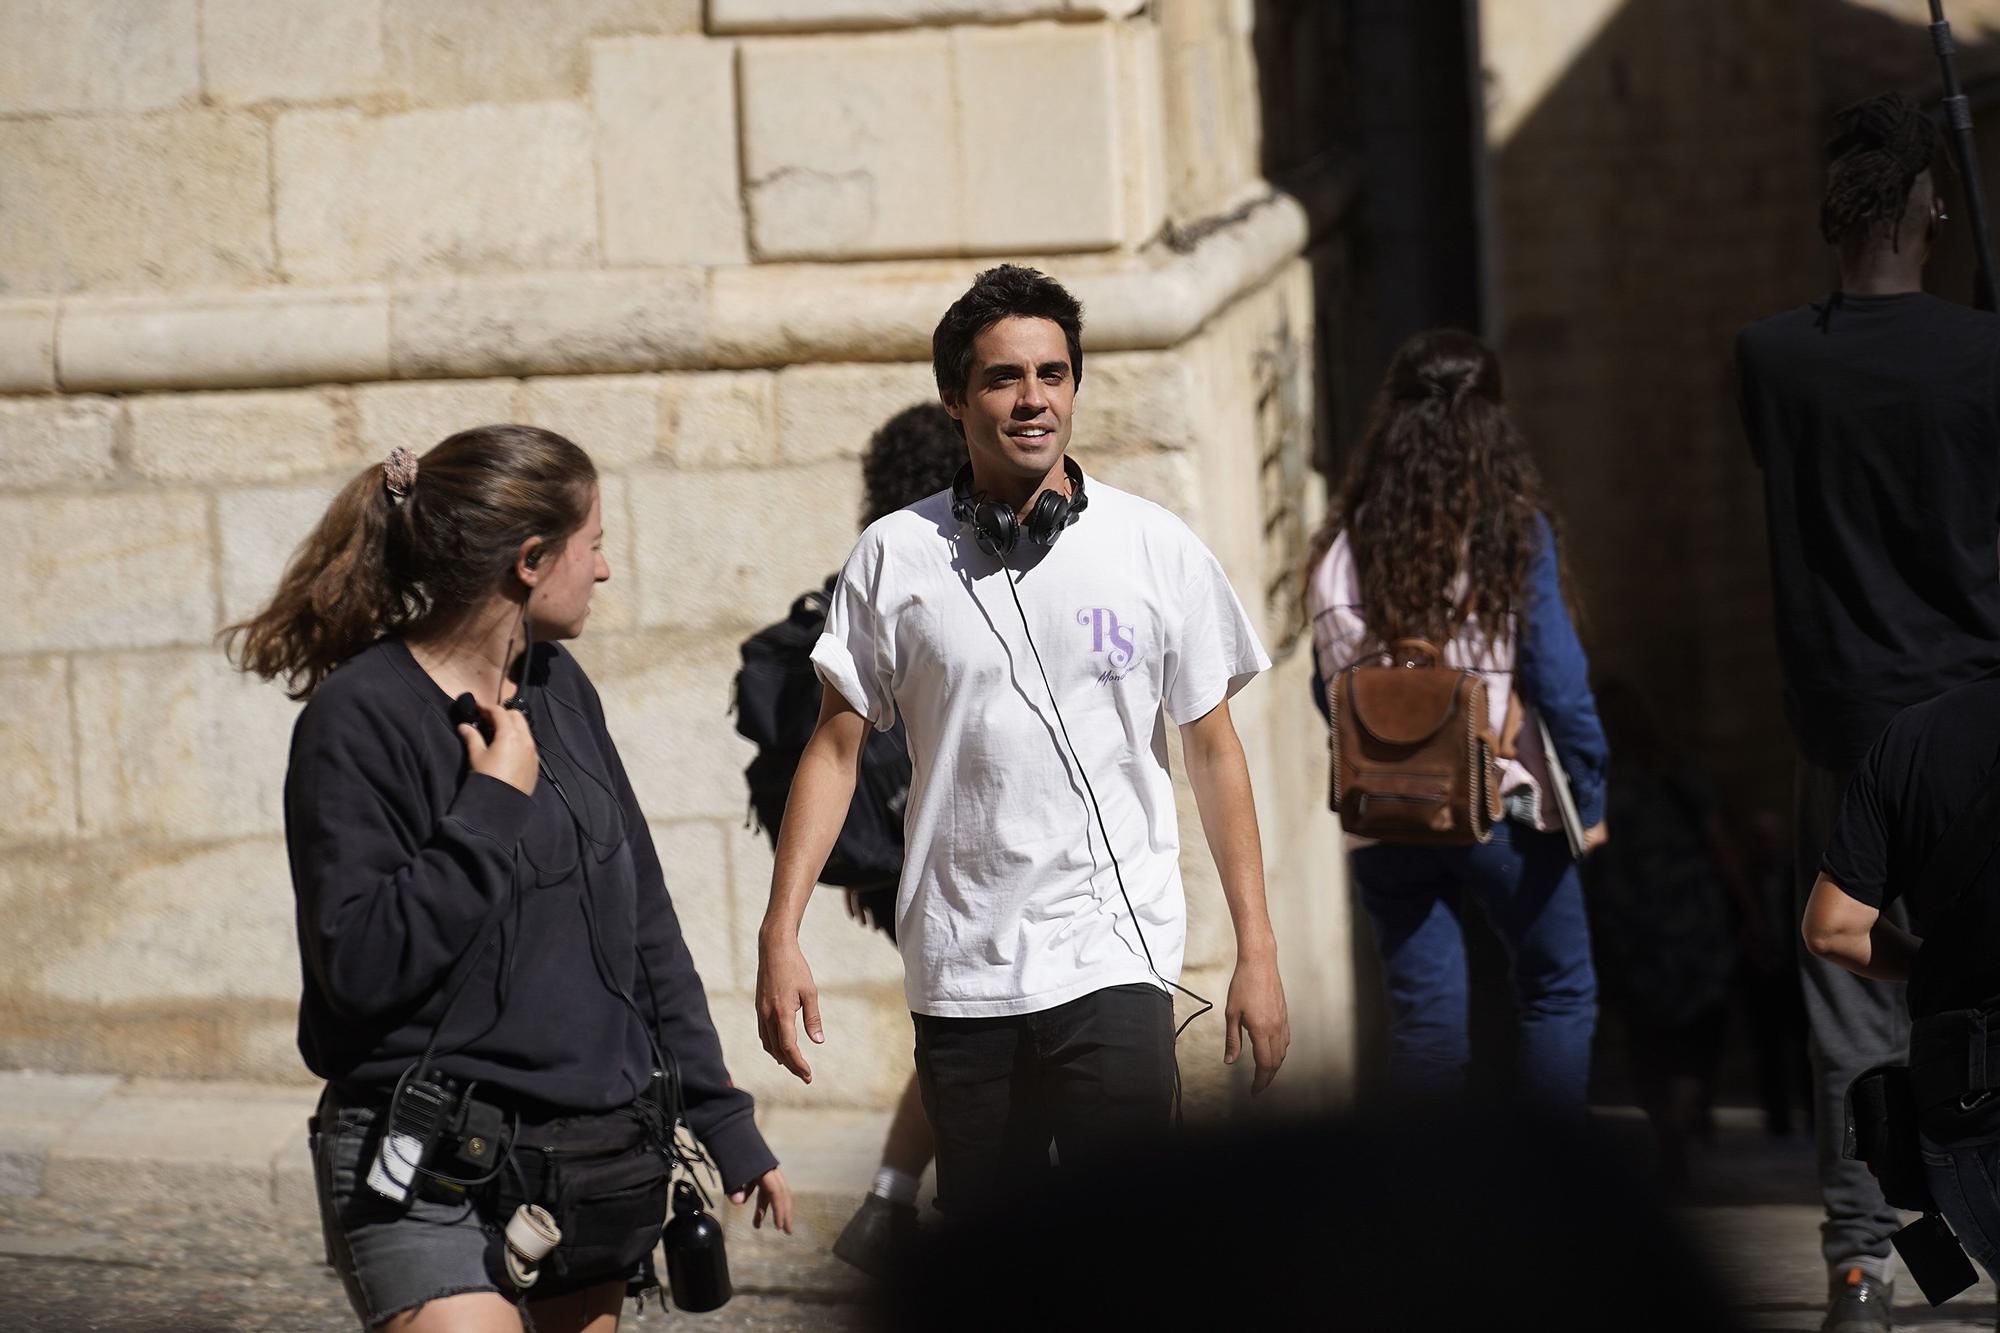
pixel 1752 1208
pixel 156 1271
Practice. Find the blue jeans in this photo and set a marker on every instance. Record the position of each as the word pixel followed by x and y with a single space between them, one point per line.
pixel 1527 886
pixel 1963 1181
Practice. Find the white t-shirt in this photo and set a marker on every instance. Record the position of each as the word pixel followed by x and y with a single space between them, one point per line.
pixel 1008 903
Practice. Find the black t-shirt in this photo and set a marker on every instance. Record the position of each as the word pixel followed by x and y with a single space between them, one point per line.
pixel 1927 767
pixel 1877 425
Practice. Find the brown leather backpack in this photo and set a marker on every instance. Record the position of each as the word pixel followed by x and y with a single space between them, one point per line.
pixel 1413 751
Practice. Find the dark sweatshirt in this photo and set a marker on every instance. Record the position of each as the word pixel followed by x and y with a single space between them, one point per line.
pixel 400 857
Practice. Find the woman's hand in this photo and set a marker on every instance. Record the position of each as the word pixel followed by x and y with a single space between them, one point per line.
pixel 510 756
pixel 774 1195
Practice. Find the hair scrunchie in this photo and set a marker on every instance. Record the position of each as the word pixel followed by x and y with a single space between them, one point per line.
pixel 399 474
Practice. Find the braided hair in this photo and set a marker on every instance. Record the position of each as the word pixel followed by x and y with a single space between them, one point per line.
pixel 1878 149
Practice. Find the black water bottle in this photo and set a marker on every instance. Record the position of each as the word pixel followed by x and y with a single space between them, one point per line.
pixel 697 1265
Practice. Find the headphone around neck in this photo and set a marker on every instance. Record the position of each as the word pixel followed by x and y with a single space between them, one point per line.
pixel 994 525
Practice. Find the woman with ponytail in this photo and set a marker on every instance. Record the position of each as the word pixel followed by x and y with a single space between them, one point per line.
pixel 484 929
pixel 1441 533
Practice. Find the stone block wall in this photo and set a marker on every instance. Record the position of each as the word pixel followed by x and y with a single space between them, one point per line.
pixel 258 245
pixel 1653 189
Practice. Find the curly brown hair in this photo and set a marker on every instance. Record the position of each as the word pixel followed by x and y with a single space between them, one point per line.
pixel 1441 483
pixel 914 454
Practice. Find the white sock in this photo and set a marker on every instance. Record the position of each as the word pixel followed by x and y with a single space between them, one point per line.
pixel 894 1185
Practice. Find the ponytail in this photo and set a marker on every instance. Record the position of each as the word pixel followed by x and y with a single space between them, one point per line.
pixel 414 544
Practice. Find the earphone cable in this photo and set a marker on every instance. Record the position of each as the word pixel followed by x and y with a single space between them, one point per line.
pixel 1006 574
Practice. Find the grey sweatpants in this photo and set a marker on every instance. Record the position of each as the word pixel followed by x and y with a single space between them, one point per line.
pixel 1853 1023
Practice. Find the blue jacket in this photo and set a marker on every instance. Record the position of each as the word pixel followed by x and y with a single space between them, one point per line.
pixel 1553 677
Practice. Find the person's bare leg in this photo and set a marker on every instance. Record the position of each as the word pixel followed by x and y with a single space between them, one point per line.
pixel 592 1310
pixel 908 1147
pixel 468 1312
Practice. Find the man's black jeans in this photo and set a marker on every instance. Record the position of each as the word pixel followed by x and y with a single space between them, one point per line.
pixel 1095 1076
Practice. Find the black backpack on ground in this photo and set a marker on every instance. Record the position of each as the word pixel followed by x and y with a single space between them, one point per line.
pixel 777 706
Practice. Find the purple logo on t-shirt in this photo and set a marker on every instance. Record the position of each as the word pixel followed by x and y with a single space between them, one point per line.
pixel 1111 639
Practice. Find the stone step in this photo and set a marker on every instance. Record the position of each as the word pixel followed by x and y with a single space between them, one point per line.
pixel 241 1146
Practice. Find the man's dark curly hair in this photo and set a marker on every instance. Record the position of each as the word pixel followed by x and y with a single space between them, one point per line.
pixel 916 453
pixel 1878 149
pixel 997 294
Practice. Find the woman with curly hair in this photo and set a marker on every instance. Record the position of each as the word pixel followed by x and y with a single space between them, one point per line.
pixel 1440 533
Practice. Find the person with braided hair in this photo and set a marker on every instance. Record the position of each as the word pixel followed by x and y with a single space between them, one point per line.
pixel 1875 417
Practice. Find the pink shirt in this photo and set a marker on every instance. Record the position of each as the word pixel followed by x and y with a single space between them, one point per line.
pixel 1341 640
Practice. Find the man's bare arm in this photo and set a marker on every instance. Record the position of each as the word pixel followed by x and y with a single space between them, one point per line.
pixel 1847 931
pixel 822 790
pixel 1220 777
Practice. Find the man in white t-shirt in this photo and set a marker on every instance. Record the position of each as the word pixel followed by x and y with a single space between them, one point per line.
pixel 1035 632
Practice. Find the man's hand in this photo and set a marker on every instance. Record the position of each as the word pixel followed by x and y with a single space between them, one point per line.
pixel 773 1196
pixel 1257 1005
pixel 784 987
pixel 1595 836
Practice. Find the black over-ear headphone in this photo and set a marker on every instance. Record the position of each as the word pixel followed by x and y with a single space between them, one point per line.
pixel 994 526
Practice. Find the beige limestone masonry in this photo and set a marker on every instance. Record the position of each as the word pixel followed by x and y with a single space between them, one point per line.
pixel 615 608
pixel 419 414
pixel 544 324
pixel 831 411
pixel 117 570
pixel 892 144
pixel 259 245
pixel 1069 199
pixel 512 50
pixel 664 109
pixel 619 414
pixel 256 51
pixel 719 419
pixel 61 441
pixel 162 932
pixel 235 339
pixel 574 323
pixel 460 190
pixel 695 856
pixel 27 346
pixel 865 163
pixel 823 15
pixel 1210 80
pixel 245 436
pixel 176 744
pixel 108 202
pixel 38 782
pixel 258 528
pixel 98 55
pixel 691 522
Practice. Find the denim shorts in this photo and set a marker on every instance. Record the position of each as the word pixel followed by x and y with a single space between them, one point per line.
pixel 394 1257
pixel 391 1258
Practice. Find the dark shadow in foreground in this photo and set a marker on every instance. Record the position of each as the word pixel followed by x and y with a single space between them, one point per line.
pixel 1435 1218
